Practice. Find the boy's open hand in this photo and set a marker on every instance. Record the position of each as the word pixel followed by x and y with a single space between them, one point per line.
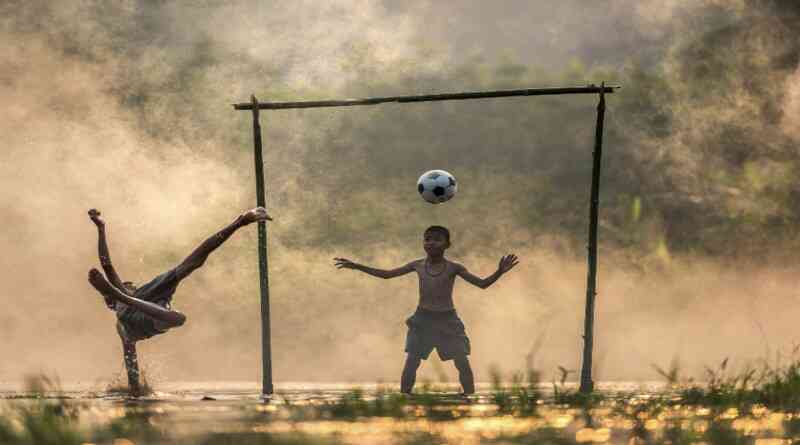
pixel 344 263
pixel 507 263
pixel 94 215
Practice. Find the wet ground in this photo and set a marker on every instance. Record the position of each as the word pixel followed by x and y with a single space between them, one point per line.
pixel 631 413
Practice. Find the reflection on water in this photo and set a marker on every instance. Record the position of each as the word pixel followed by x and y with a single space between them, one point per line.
pixel 631 414
pixel 243 388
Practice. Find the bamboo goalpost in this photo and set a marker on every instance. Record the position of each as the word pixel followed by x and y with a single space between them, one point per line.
pixel 587 384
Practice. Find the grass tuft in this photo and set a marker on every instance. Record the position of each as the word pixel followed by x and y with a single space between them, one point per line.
pixel 774 387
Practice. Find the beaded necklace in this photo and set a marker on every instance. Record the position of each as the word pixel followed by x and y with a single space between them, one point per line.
pixel 428 269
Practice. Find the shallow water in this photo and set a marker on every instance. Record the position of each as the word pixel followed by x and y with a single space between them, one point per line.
pixel 193 409
pixel 252 390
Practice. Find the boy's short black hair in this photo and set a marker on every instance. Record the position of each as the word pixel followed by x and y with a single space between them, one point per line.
pixel 439 229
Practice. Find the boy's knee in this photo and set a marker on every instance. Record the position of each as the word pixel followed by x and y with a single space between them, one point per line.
pixel 180 319
pixel 177 320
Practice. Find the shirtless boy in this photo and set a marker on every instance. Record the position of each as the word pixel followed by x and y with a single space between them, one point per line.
pixel 435 323
pixel 146 311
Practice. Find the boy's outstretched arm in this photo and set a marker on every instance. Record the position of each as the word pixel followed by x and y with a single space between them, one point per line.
pixel 102 251
pixel 344 263
pixel 506 263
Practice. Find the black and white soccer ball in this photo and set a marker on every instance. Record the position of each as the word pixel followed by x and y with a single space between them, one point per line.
pixel 437 186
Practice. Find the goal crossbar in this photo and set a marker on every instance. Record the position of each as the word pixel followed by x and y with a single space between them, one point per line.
pixel 589 89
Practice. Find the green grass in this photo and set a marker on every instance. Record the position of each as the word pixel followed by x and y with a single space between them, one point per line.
pixel 687 412
pixel 521 398
pixel 773 386
pixel 355 405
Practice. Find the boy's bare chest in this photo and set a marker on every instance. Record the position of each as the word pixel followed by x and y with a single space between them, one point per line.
pixel 435 275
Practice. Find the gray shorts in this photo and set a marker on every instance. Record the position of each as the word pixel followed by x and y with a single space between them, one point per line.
pixel 134 325
pixel 441 330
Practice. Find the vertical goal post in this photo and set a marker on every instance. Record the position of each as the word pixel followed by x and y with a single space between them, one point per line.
pixel 586 383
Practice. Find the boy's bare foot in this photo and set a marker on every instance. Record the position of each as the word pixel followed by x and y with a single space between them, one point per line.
pixel 135 391
pixel 256 214
pixel 100 283
pixel 465 397
pixel 94 215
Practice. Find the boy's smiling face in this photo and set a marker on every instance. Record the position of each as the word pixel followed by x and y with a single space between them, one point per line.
pixel 435 243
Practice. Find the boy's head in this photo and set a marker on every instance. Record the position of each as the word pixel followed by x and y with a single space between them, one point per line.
pixel 436 239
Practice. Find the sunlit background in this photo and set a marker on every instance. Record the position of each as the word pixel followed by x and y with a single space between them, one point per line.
pixel 126 106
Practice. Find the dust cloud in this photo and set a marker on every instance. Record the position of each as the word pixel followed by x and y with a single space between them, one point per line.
pixel 126 108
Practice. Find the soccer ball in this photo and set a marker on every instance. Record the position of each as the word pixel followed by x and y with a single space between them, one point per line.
pixel 437 186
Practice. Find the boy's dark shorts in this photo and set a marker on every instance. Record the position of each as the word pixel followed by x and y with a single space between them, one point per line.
pixel 441 330
pixel 133 324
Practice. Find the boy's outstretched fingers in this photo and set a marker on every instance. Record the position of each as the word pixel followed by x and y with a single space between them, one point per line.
pixel 508 262
pixel 344 263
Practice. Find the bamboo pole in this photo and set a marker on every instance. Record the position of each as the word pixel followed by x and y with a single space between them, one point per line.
pixel 266 342
pixel 587 385
pixel 590 89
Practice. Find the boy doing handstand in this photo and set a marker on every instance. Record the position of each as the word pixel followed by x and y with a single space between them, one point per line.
pixel 435 323
pixel 145 311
